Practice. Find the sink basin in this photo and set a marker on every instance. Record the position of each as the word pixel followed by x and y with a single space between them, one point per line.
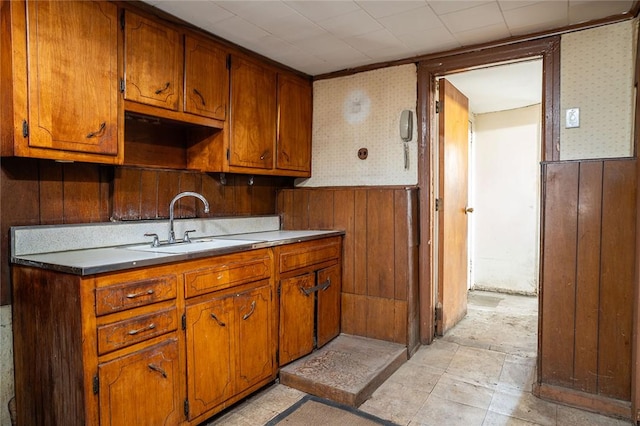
pixel 195 245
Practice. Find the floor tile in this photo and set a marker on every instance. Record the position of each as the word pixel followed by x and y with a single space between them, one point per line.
pixel 415 376
pixel 438 355
pixel 437 411
pixel 454 389
pixel 496 419
pixel 523 406
pixel 518 372
pixel 568 416
pixel 479 366
pixel 395 402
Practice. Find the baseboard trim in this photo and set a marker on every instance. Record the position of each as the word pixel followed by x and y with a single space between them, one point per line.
pixel 583 400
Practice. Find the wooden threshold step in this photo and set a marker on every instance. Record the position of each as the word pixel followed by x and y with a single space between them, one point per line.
pixel 346 370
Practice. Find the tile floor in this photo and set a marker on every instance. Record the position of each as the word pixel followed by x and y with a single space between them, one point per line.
pixel 480 373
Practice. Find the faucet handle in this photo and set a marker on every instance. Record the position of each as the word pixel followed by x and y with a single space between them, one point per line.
pixel 186 238
pixel 156 240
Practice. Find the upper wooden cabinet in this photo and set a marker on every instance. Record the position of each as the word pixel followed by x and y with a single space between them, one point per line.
pixel 270 121
pixel 60 83
pixel 253 115
pixel 153 62
pixel 206 76
pixel 294 123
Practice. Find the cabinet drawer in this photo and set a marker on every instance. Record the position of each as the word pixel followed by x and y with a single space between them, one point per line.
pixel 226 272
pixel 303 255
pixel 128 295
pixel 133 330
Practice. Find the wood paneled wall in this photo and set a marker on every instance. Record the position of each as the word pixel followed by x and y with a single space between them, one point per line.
pixel 42 192
pixel 380 281
pixel 588 270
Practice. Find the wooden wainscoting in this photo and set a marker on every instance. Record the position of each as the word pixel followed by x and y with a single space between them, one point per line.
pixel 588 275
pixel 380 280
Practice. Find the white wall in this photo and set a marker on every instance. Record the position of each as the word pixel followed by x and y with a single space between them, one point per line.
pixel 596 75
pixel 506 200
pixel 363 111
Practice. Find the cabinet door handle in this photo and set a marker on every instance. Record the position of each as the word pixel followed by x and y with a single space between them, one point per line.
pixel 265 154
pixel 166 86
pixel 248 314
pixel 97 132
pixel 140 330
pixel 325 285
pixel 220 323
pixel 200 95
pixel 158 369
pixel 285 155
pixel 142 293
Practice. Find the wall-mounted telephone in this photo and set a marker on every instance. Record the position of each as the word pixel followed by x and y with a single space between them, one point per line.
pixel 406 125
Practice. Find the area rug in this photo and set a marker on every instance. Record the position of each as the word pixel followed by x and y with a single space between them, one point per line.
pixel 314 411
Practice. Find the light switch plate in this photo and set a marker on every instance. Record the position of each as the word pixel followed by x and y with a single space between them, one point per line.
pixel 573 118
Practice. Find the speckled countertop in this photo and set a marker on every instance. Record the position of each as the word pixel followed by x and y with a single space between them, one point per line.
pixel 99 248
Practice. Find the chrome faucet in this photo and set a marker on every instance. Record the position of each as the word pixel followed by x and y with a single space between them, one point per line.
pixel 172 235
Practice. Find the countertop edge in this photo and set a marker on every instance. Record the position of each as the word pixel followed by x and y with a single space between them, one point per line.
pixel 155 259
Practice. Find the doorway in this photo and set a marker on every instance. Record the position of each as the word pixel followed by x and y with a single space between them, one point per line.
pixel 428 71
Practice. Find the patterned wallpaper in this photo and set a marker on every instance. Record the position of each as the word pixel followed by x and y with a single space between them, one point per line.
pixel 597 68
pixel 363 111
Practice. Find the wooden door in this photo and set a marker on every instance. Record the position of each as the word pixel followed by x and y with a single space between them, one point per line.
pixel 253 115
pixel 255 348
pixel 73 76
pixel 453 122
pixel 294 123
pixel 328 314
pixel 153 62
pixel 143 388
pixel 206 78
pixel 211 354
pixel 296 317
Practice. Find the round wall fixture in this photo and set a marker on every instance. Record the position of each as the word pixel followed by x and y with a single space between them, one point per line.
pixel 363 153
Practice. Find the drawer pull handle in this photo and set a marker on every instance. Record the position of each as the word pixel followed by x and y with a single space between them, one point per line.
pixel 158 369
pixel 166 86
pixel 142 293
pixel 325 285
pixel 97 132
pixel 140 330
pixel 248 314
pixel 220 323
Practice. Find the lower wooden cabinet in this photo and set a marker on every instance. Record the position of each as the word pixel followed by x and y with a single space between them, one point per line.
pixel 167 345
pixel 142 388
pixel 309 290
pixel 229 346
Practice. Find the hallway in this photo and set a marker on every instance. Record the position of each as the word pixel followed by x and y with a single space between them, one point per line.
pixel 479 374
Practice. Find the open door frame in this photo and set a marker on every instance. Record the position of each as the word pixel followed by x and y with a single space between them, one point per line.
pixel 548 49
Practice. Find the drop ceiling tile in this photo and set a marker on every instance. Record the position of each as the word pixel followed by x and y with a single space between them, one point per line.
pixel 427 41
pixel 323 44
pixel 441 7
pixel 475 17
pixel 238 30
pixel 295 27
pixel 380 9
pixel 481 35
pixel 199 13
pixel 375 41
pixel 266 15
pixel 536 17
pixel 515 4
pixel 581 11
pixel 320 10
pixel 413 21
pixel 350 24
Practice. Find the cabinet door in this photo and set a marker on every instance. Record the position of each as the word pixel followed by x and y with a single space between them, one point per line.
pixel 143 388
pixel 296 317
pixel 73 76
pixel 253 115
pixel 210 354
pixel 255 344
pixel 294 123
pixel 153 62
pixel 206 79
pixel 328 313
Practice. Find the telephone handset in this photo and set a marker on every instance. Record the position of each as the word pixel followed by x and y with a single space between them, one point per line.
pixel 406 125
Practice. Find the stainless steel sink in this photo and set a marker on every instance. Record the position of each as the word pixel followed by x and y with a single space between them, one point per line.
pixel 193 246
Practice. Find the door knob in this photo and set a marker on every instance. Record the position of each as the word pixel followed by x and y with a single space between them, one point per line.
pixel 468 210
